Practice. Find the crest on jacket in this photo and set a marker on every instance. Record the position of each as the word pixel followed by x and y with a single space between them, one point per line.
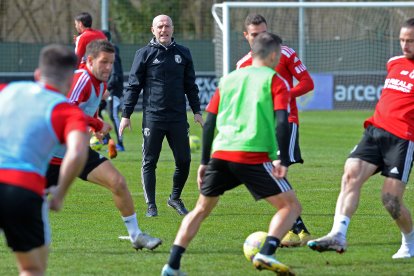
pixel 178 58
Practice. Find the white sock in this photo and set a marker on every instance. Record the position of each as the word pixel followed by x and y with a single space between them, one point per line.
pixel 131 224
pixel 408 238
pixel 340 225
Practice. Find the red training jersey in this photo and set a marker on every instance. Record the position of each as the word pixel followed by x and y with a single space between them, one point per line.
pixel 83 40
pixel 83 85
pixel 289 66
pixel 280 97
pixel 394 111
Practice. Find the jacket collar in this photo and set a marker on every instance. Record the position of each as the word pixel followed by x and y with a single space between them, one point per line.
pixel 153 42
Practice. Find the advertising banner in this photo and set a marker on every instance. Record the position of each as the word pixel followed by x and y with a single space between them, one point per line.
pixel 207 84
pixel 321 97
pixel 357 91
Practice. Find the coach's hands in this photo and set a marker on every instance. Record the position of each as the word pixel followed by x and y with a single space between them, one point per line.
pixel 125 123
pixel 200 174
pixel 279 171
pixel 198 118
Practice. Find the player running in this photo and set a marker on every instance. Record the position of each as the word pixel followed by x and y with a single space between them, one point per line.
pixel 86 92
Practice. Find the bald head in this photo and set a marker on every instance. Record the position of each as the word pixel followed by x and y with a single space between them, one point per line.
pixel 161 17
pixel 162 28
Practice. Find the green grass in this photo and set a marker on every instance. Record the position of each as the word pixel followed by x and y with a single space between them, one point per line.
pixel 85 234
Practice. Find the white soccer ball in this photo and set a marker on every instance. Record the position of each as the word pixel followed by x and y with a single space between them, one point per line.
pixel 253 243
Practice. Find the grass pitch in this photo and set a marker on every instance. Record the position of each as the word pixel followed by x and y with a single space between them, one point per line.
pixel 85 233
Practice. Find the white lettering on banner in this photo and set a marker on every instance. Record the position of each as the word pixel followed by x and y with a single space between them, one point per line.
pixel 398 85
pixel 206 86
pixel 357 93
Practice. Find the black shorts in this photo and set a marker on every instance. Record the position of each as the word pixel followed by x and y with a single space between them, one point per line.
pixel 392 155
pixel 224 175
pixel 23 218
pixel 94 160
pixel 295 155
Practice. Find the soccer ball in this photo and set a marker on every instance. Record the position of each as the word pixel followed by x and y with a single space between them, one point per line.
pixel 195 143
pixel 95 144
pixel 253 243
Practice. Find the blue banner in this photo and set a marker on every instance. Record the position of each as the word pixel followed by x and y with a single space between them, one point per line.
pixel 321 98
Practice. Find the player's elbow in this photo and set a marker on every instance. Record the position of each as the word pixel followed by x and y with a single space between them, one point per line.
pixel 310 84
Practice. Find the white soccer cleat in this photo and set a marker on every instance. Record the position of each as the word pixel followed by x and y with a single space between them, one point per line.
pixel 329 243
pixel 404 252
pixel 146 241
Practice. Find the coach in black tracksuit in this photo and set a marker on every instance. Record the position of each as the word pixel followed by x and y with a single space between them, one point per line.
pixel 164 71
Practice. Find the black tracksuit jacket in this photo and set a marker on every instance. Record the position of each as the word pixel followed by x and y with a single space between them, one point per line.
pixel 166 76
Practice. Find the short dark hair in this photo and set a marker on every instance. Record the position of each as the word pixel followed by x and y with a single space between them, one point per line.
pixel 100 45
pixel 264 44
pixel 56 62
pixel 409 23
pixel 254 19
pixel 85 18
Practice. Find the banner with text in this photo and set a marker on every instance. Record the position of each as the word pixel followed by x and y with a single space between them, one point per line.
pixel 357 91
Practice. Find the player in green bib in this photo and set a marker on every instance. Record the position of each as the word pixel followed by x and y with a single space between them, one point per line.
pixel 249 112
pixel 239 107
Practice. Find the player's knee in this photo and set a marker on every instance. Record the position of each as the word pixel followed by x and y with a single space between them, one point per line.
pixel 119 185
pixel 291 203
pixel 392 204
pixel 201 211
pixel 349 179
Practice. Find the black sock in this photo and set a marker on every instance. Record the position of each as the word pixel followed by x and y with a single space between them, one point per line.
pixel 270 245
pixel 294 228
pixel 175 256
pixel 299 226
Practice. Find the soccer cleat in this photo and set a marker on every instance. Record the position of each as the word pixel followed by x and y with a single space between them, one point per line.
pixel 146 241
pixel 152 211
pixel 112 152
pixel 120 147
pixel 290 240
pixel 406 250
pixel 329 243
pixel 304 237
pixel 168 271
pixel 178 205
pixel 267 262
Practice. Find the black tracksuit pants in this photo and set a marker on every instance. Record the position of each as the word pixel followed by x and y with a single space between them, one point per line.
pixel 177 136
